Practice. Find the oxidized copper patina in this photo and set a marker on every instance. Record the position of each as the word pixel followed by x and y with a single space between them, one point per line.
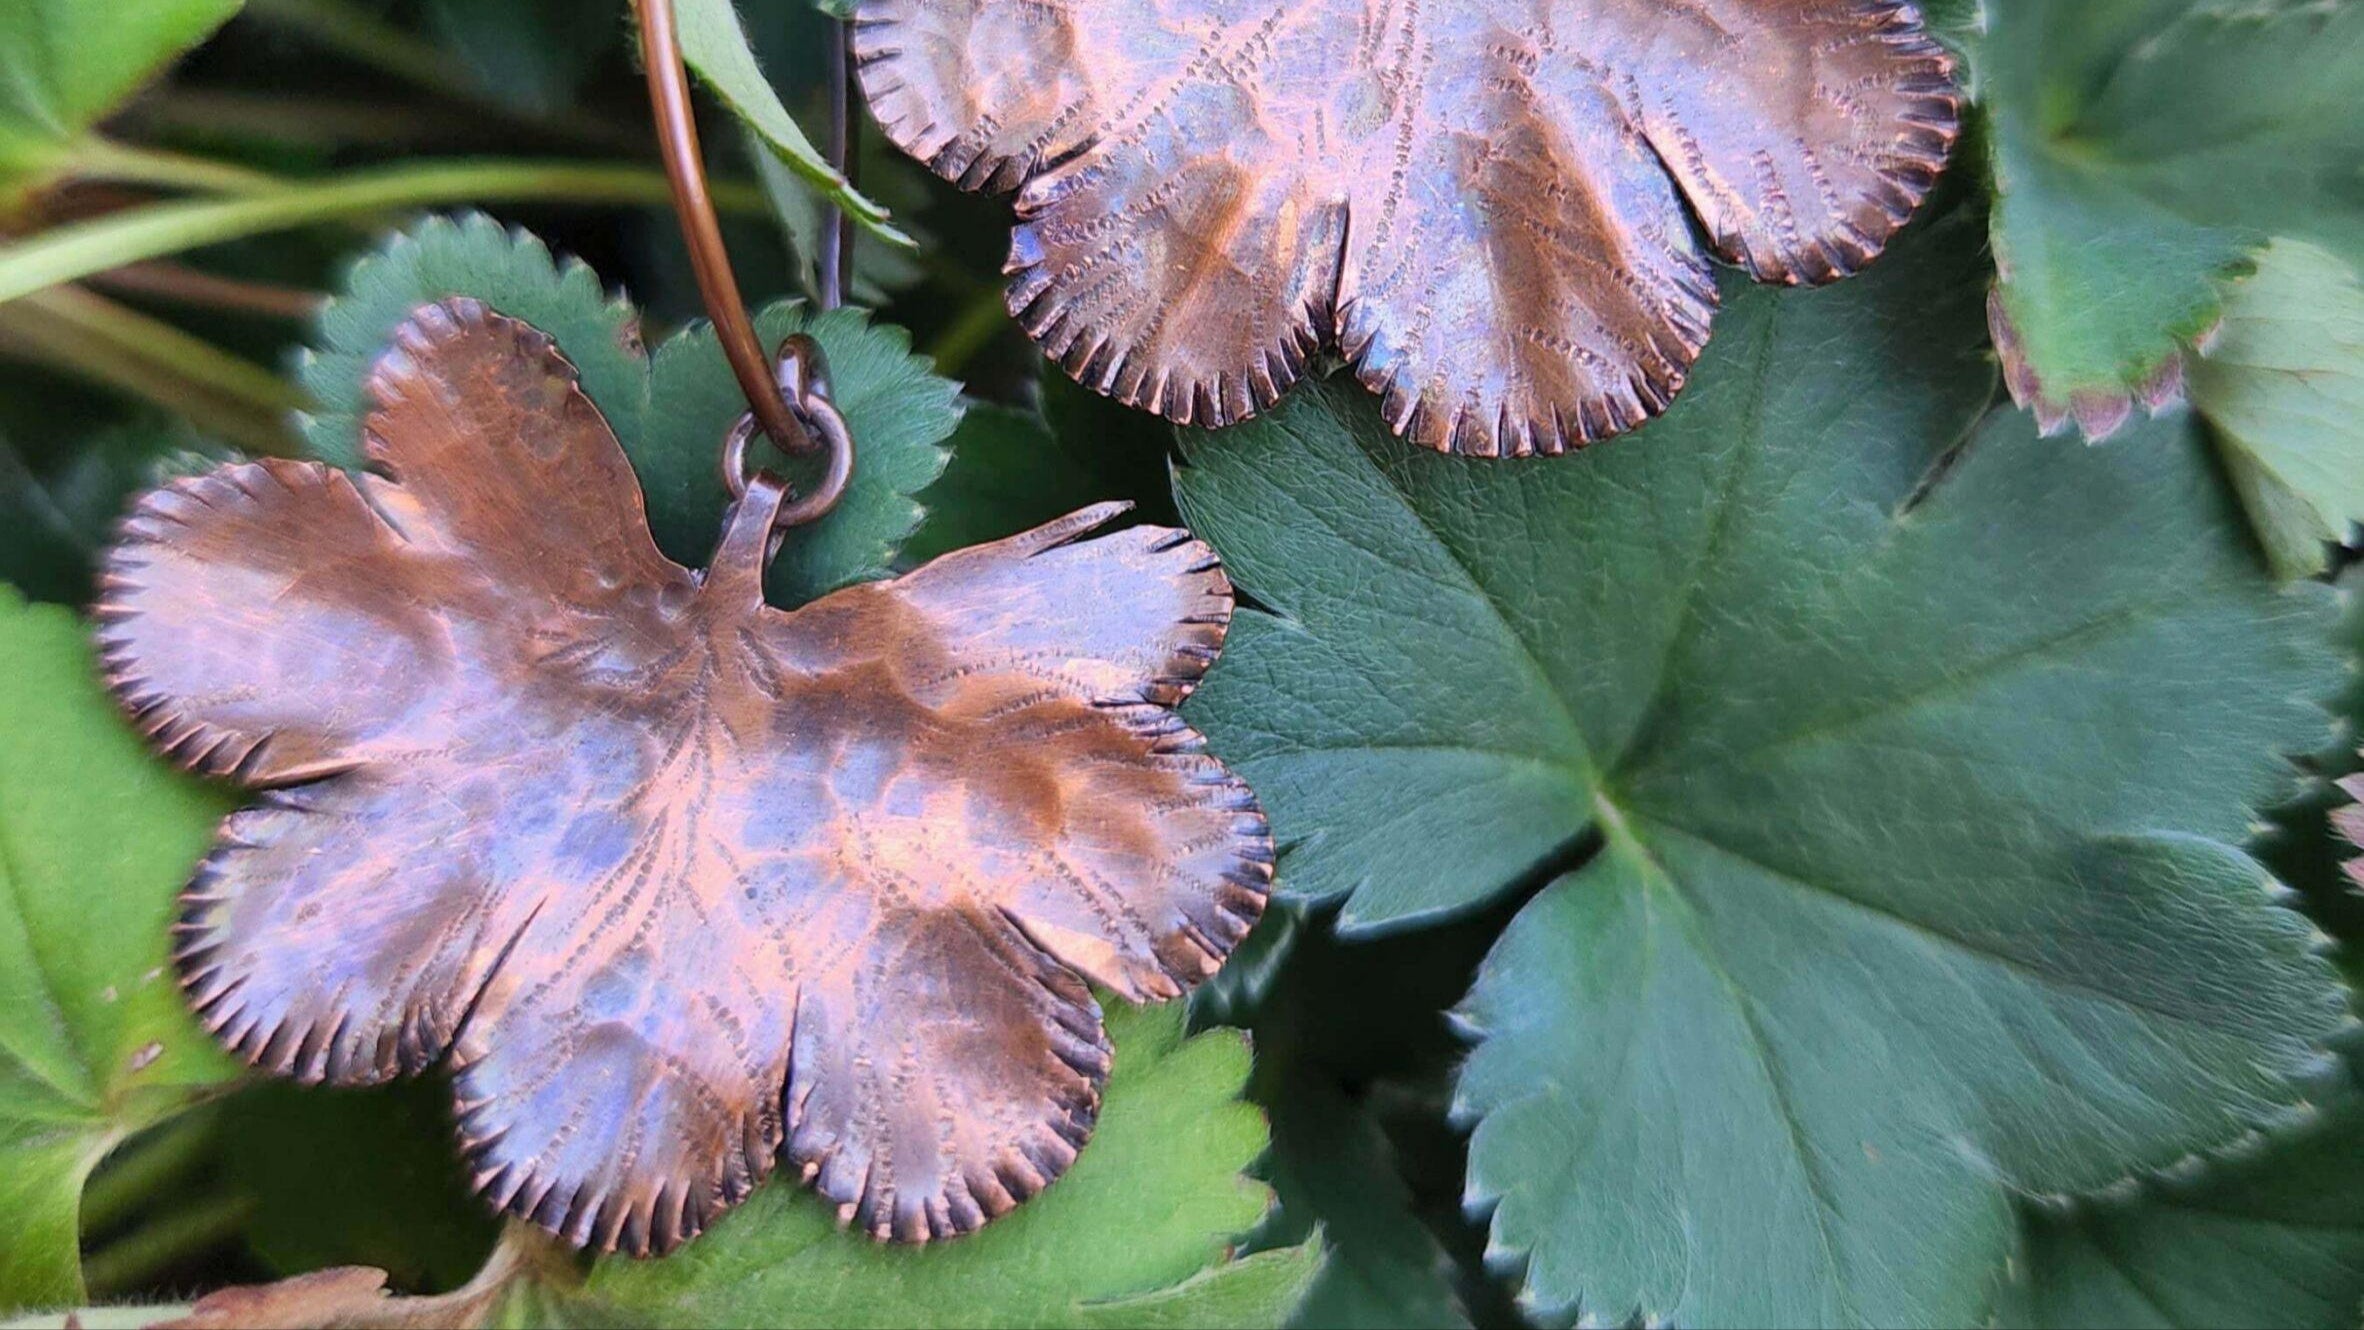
pixel 677 882
pixel 1481 203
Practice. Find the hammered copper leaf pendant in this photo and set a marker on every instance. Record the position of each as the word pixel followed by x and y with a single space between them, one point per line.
pixel 677 882
pixel 1478 202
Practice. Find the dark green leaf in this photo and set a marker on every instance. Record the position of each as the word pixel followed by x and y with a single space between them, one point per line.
pixel 2272 1238
pixel 510 271
pixel 96 838
pixel 530 54
pixel 1385 1269
pixel 1011 470
pixel 2274 1235
pixel 1917 773
pixel 1136 1233
pixel 2142 150
pixel 356 1177
pixel 53 521
pixel 804 214
pixel 897 410
pixel 1352 1055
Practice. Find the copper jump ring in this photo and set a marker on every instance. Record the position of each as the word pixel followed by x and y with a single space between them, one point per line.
pixel 803 377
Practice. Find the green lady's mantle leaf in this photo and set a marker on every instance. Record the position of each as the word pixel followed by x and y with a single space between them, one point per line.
pixel 670 409
pixel 96 838
pixel 2274 1237
pixel 2274 1234
pixel 1135 1234
pixel 1915 776
pixel 2143 149
pixel 2283 383
pixel 66 63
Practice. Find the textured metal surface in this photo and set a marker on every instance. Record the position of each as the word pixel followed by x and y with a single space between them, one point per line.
pixel 677 881
pixel 1481 203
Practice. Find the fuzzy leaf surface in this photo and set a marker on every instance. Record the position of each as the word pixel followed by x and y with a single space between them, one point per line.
pixel 2283 385
pixel 1913 771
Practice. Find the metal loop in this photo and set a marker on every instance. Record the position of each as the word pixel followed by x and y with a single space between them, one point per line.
pixel 803 374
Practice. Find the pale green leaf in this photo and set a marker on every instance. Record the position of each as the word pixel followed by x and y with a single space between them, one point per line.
pixel 1911 771
pixel 1136 1234
pixel 96 839
pixel 65 63
pixel 2283 384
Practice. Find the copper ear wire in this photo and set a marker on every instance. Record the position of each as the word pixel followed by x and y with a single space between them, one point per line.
pixel 787 398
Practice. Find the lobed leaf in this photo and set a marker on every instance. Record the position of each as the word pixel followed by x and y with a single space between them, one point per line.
pixel 670 409
pixel 1905 756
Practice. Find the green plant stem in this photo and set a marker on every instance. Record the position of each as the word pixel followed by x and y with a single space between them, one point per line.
pixel 97 158
pixel 93 337
pixel 141 1256
pixel 980 319
pixel 143 1167
pixel 366 39
pixel 70 253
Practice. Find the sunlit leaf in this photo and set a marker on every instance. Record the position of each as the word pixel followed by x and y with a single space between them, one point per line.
pixel 1135 1235
pixel 66 63
pixel 96 838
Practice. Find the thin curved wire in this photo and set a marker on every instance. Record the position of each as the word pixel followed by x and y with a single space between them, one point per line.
pixel 677 138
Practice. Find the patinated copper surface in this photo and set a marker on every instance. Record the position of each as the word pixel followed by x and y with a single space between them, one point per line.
pixel 1481 203
pixel 676 881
